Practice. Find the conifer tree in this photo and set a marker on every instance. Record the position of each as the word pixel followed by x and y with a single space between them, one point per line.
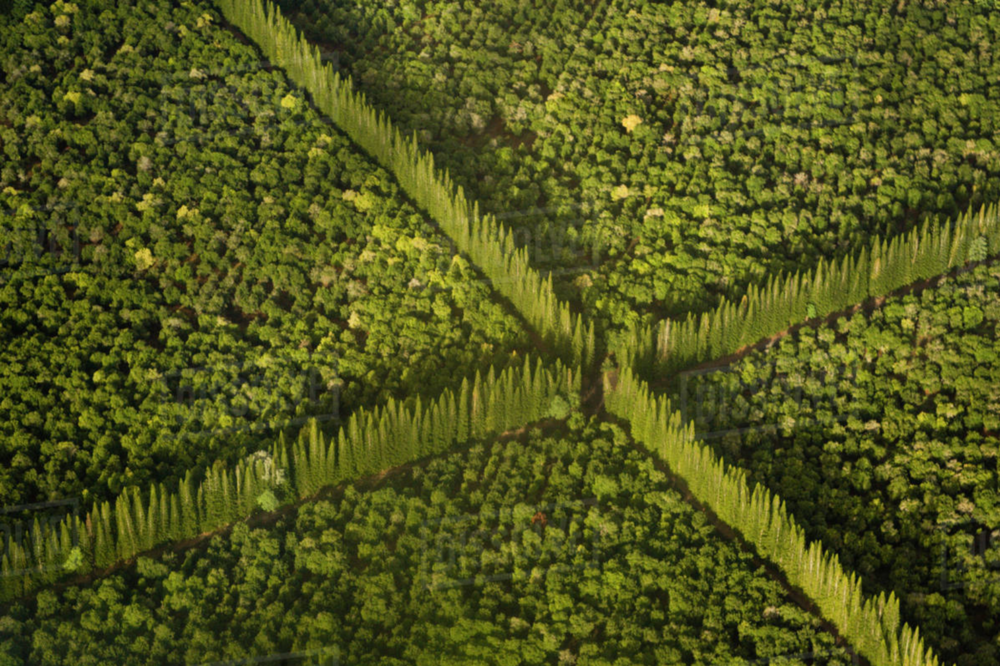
pixel 877 269
pixel 126 530
pixel 82 532
pixel 13 566
pixel 65 540
pixel 151 529
pixel 317 451
pixel 205 517
pixel 349 468
pixel 246 490
pixel 451 421
pixel 463 429
pixel 871 624
pixel 188 518
pixel 384 437
pixel 301 466
pixel 487 242
pixel 175 522
pixel 105 547
pixel 342 466
pixel 476 425
pixel 34 543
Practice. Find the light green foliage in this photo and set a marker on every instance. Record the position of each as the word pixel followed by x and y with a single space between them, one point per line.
pixel 255 233
pixel 979 250
pixel 558 408
pixel 143 258
pixel 73 560
pixel 267 501
pixel 489 243
pixel 885 266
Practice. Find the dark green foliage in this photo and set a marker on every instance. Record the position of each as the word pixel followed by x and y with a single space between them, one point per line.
pixel 374 440
pixel 933 249
pixel 871 624
pixel 622 572
pixel 489 243
pixel 880 432
pixel 774 135
pixel 290 277
pixel 289 243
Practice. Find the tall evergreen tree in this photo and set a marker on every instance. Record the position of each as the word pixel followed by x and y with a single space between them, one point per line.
pixel 152 528
pixel 126 528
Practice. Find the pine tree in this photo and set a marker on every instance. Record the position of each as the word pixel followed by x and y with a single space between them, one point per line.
pixel 487 242
pixel 152 529
pixel 189 519
pixel 83 533
pixel 341 465
pixel 349 466
pixel 317 451
pixel 205 517
pixel 126 530
pixel 451 421
pixel 476 426
pixel 301 466
pixel 872 625
pixel 66 542
pixel 14 565
pixel 105 548
pixel 242 481
pixel 176 529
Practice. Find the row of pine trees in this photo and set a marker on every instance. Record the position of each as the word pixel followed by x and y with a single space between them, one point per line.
pixel 872 625
pixel 488 243
pixel 372 441
pixel 398 433
pixel 887 265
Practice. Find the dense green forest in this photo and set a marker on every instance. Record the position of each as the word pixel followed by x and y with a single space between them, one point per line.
pixel 216 262
pixel 883 267
pixel 50 546
pixel 607 332
pixel 880 432
pixel 658 156
pixel 569 547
